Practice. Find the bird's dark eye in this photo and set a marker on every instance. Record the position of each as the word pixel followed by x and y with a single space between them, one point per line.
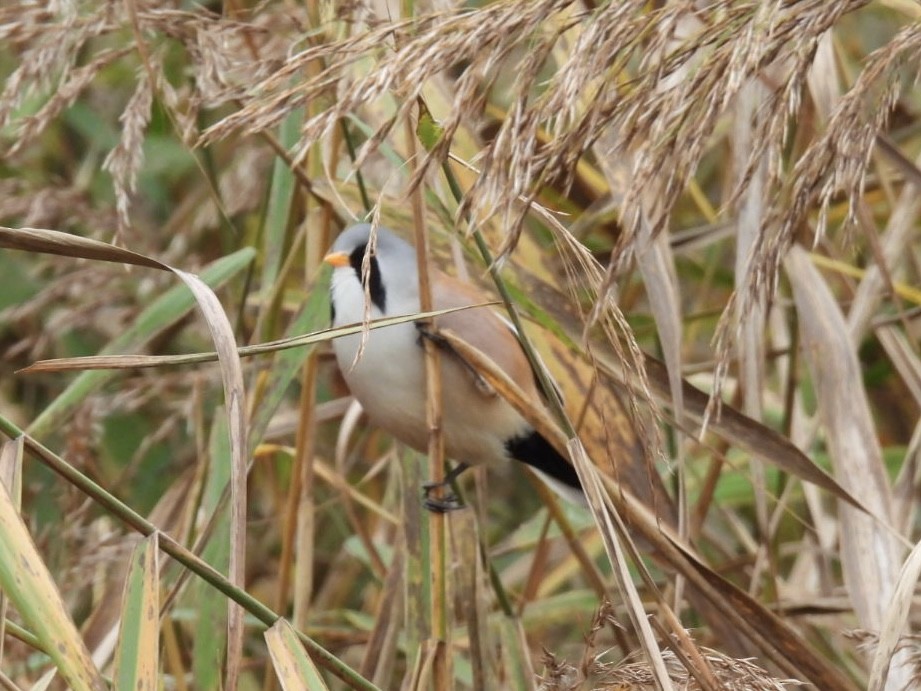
pixel 375 284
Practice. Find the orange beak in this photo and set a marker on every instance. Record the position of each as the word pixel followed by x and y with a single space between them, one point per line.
pixel 337 259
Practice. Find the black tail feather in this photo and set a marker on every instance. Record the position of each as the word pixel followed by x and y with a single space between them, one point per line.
pixel 535 451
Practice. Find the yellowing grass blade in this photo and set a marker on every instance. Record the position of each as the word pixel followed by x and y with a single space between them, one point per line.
pixel 11 478
pixel 894 621
pixel 162 312
pixel 294 668
pixel 137 659
pixel 870 550
pixel 235 405
pixel 65 244
pixel 28 584
pixel 107 362
pixel 211 627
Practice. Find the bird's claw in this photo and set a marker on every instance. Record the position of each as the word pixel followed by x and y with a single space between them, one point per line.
pixel 449 502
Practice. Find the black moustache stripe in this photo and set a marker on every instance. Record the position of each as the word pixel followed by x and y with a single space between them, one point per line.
pixel 375 284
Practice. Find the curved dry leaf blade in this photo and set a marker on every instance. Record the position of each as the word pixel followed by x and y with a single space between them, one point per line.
pixel 295 669
pixel 160 314
pixel 235 400
pixel 68 245
pixel 612 533
pixel 737 428
pixel 189 560
pixel 786 647
pixel 751 619
pixel 850 433
pixel 540 419
pixel 27 582
pixel 55 242
pixel 137 658
pixel 852 443
pixel 732 425
pixel 894 620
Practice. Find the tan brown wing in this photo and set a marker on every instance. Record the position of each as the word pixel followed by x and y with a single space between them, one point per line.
pixel 483 329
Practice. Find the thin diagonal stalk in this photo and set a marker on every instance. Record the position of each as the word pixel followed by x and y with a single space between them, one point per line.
pixel 178 552
pixel 433 414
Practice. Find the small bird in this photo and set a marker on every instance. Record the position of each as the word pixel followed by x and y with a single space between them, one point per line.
pixel 388 378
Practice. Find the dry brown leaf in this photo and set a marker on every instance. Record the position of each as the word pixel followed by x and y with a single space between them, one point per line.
pixel 53 242
pixel 739 429
pixel 853 446
pixel 894 620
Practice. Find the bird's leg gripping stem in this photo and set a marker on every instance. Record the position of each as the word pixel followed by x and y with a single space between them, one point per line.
pixel 450 501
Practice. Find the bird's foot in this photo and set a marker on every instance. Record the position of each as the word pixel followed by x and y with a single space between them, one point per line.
pixel 440 504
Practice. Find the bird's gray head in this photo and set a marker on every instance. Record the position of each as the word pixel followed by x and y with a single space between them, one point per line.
pixel 392 277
